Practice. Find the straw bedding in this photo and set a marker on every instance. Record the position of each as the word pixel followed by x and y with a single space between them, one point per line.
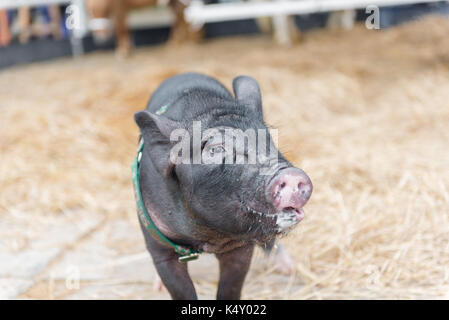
pixel 364 113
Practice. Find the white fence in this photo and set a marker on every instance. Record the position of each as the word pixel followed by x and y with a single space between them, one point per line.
pixel 198 13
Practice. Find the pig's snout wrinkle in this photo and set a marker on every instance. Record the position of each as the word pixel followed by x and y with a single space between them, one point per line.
pixel 290 189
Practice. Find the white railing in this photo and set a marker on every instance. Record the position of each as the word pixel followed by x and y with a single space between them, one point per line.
pixel 198 13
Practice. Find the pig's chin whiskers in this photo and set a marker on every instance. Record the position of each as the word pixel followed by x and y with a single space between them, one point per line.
pixel 261 214
pixel 258 228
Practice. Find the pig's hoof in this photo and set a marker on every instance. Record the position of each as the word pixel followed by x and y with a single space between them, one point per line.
pixel 282 262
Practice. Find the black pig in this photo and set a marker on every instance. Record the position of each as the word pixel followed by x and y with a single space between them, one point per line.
pixel 223 207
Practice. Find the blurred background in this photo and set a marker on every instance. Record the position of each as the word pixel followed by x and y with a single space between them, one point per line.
pixel 359 91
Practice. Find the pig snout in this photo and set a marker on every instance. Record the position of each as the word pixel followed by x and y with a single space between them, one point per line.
pixel 289 190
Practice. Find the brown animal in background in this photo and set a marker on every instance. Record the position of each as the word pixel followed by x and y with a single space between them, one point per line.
pixel 117 11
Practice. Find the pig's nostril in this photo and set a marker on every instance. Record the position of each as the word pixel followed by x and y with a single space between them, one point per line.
pixel 282 185
pixel 303 190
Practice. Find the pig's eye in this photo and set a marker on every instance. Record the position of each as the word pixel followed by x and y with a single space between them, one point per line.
pixel 216 149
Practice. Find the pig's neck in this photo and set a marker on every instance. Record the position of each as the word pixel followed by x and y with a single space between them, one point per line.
pixel 163 201
pixel 162 196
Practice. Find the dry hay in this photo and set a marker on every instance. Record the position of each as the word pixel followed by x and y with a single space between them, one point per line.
pixel 364 113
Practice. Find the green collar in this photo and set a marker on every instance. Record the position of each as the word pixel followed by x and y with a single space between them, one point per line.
pixel 185 253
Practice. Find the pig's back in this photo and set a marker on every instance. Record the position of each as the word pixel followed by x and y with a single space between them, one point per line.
pixel 165 97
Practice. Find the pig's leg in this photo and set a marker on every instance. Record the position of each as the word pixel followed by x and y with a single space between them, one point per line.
pixel 234 266
pixel 174 274
pixel 158 284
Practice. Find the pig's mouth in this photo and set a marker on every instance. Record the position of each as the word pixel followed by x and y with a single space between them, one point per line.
pixel 284 220
pixel 288 218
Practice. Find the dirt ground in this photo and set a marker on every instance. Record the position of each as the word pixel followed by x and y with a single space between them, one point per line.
pixel 365 113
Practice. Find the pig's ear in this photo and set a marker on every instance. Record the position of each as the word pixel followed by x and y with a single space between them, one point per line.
pixel 156 135
pixel 246 90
